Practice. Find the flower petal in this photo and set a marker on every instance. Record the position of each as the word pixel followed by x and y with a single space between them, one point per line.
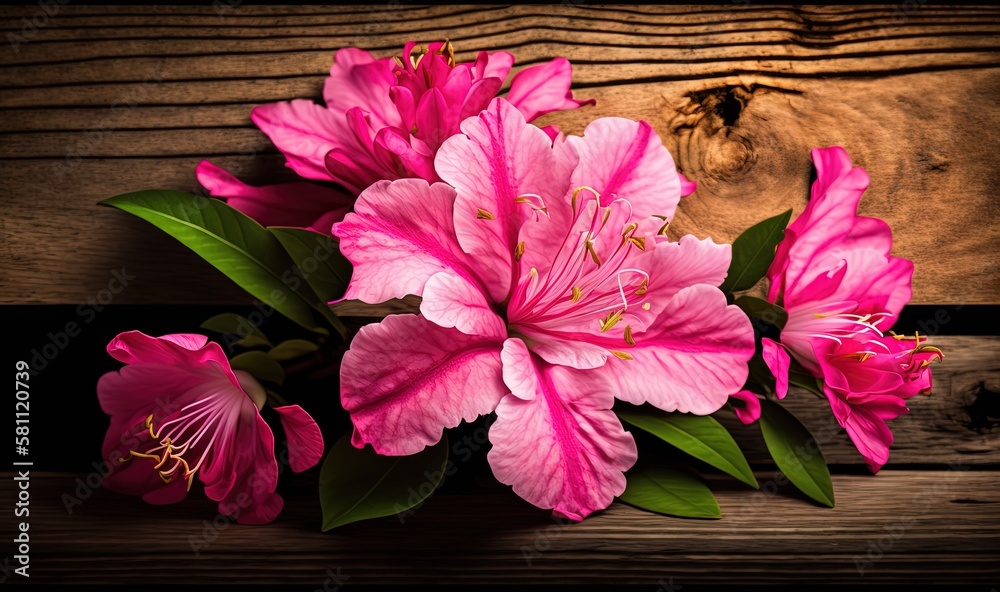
pixel 299 204
pixel 357 79
pixel 692 358
pixel 777 360
pixel 544 88
pixel 406 379
pixel 400 235
pixel 625 159
pixel 673 266
pixel 305 441
pixel 305 132
pixel 687 187
pixel 748 411
pixel 250 498
pixel 556 440
pixel 497 158
pixel 450 301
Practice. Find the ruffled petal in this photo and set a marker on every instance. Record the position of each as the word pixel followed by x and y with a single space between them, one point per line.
pixel 450 301
pixel 406 379
pixel 305 132
pixel 497 158
pixel 692 358
pixel 625 159
pixel 556 440
pixel 400 235
pixel 305 441
pixel 357 79
pixel 544 88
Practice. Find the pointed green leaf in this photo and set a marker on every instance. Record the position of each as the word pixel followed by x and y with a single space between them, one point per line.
pixel 753 252
pixel 359 484
pixel 670 492
pixel 763 310
pixel 291 349
pixel 701 436
pixel 318 258
pixel 260 365
pixel 796 452
pixel 232 242
pixel 229 323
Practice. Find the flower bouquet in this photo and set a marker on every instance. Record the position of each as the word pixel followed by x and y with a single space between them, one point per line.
pixel 550 305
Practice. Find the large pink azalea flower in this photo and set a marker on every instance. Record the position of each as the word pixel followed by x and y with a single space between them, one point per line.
pixel 184 412
pixel 547 292
pixel 384 119
pixel 843 290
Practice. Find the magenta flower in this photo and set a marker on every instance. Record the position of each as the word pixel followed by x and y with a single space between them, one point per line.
pixel 547 293
pixel 843 290
pixel 188 413
pixel 384 119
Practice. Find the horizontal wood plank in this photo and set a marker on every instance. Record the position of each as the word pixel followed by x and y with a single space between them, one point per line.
pixel 922 527
pixel 789 78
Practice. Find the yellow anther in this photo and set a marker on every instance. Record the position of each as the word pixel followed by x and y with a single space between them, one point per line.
pixel 448 50
pixel 593 253
pixel 645 306
pixel 149 426
pixel 607 214
pixel 399 61
pixel 611 320
pixel 621 355
pixel 482 214
pixel 628 335
pixel 577 293
pixel 628 230
pixel 519 251
pixel 643 287
pixel 639 241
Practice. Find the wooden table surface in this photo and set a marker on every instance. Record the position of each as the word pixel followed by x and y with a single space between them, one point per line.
pixel 97 101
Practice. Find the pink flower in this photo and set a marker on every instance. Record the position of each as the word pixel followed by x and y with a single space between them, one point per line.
pixel 178 410
pixel 546 293
pixel 842 289
pixel 384 119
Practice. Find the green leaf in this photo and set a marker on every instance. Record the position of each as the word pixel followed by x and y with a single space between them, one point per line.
pixel 670 492
pixel 796 452
pixel 232 242
pixel 359 484
pixel 701 436
pixel 291 349
pixel 229 323
pixel 261 365
pixel 318 258
pixel 753 252
pixel 763 310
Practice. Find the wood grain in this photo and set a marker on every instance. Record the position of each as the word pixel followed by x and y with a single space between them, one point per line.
pixel 739 96
pixel 926 527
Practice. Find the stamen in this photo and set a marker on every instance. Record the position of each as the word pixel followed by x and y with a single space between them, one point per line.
pixel 611 320
pixel 621 355
pixel 576 294
pixel 593 253
pixel 628 335
pixel 482 214
pixel 519 251
pixel 645 306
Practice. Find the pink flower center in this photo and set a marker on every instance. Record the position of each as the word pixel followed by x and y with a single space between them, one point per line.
pixel 189 436
pixel 588 278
